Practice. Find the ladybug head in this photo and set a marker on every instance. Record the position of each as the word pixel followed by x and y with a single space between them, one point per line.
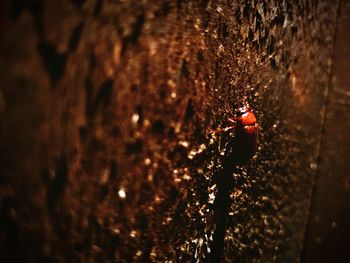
pixel 242 111
pixel 245 116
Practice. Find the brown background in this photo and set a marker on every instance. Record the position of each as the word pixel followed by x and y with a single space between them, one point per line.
pixel 106 109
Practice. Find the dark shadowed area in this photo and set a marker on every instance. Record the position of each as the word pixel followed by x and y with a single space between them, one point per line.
pixel 113 145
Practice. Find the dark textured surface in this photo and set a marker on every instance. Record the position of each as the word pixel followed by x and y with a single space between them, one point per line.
pixel 106 111
pixel 328 235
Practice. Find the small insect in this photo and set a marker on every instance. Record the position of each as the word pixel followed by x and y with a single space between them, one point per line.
pixel 244 142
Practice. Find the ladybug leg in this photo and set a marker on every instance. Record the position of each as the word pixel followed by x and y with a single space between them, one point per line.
pixel 232 120
pixel 219 130
pixel 229 128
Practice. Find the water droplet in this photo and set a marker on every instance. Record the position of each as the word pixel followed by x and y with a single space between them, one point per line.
pixel 264 198
pixel 135 118
pixel 186 177
pixel 184 143
pixel 192 154
pixel 313 166
pixel 211 198
pixel 121 193
pixel 133 234
pixel 157 199
pixel 116 231
pixel 147 161
pixel 171 84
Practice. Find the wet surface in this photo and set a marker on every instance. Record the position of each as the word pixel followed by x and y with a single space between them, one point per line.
pixel 106 114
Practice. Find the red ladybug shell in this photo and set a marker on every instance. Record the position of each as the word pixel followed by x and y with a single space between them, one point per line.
pixel 246 136
pixel 242 146
pixel 247 118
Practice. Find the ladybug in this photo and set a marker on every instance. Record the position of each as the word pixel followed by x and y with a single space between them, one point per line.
pixel 242 146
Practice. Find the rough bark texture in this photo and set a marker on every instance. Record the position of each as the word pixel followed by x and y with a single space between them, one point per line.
pixel 106 111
